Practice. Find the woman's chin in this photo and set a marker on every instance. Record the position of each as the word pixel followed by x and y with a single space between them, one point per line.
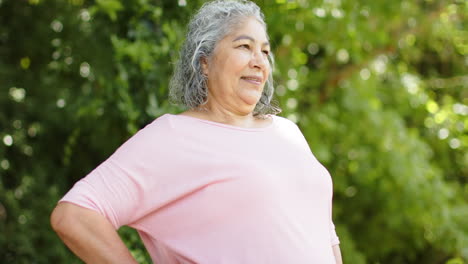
pixel 251 98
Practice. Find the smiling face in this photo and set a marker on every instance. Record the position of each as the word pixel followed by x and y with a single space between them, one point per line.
pixel 238 69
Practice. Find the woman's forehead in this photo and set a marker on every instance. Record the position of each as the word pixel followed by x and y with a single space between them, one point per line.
pixel 251 30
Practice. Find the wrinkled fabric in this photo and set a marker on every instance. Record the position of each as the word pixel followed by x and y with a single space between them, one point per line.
pixel 198 191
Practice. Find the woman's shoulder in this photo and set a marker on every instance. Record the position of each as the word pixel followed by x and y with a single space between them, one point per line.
pixel 160 123
pixel 159 128
pixel 283 121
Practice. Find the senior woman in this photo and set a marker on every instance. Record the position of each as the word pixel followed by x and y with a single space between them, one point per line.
pixel 226 181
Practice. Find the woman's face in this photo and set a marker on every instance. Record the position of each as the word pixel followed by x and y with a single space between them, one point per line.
pixel 238 69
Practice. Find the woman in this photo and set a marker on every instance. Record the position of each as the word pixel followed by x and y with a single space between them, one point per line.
pixel 226 181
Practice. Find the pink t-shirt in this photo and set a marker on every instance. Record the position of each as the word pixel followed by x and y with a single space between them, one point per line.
pixel 203 192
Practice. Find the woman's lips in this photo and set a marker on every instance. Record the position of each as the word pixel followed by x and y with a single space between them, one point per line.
pixel 252 79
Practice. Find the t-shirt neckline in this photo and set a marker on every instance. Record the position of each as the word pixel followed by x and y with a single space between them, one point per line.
pixel 213 123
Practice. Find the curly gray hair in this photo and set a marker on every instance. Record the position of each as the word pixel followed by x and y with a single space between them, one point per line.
pixel 210 24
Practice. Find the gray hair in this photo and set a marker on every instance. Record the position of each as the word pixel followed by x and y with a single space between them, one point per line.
pixel 208 26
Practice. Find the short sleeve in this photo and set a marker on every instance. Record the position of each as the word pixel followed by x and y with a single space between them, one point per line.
pixel 119 187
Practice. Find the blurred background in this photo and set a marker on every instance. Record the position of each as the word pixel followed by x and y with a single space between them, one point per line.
pixel 379 88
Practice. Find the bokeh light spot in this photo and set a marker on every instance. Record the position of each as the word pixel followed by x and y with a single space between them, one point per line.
pixel 287 39
pixel 17 94
pixel 460 109
pixel 293 84
pixel 454 143
pixel 84 15
pixel 365 74
pixel 17 124
pixel 292 73
pixel 22 219
pixel 61 103
pixel 313 48
pixel 56 42
pixel 337 13
pixel 443 133
pixel 293 118
pixel 56 26
pixel 85 69
pixel 25 63
pixel 280 90
pixel 432 107
pixel 5 164
pixel 291 103
pixel 28 150
pixel 68 60
pixel 342 56
pixel 8 140
pixel 350 191
pixel 319 12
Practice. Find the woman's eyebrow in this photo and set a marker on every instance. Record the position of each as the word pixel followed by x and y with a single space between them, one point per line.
pixel 250 38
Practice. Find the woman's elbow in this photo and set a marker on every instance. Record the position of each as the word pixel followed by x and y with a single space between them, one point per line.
pixel 58 218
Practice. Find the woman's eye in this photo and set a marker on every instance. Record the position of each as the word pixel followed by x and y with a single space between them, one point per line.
pixel 267 52
pixel 245 46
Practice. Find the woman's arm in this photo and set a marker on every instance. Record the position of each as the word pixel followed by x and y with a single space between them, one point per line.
pixel 337 253
pixel 89 235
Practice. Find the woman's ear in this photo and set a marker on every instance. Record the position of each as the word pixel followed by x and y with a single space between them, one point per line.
pixel 204 65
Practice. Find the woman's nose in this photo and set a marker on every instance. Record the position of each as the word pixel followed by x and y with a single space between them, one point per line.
pixel 259 59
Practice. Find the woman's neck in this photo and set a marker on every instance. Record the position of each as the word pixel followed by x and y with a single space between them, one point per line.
pixel 227 117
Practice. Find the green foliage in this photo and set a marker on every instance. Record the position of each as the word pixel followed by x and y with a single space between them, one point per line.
pixel 379 89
